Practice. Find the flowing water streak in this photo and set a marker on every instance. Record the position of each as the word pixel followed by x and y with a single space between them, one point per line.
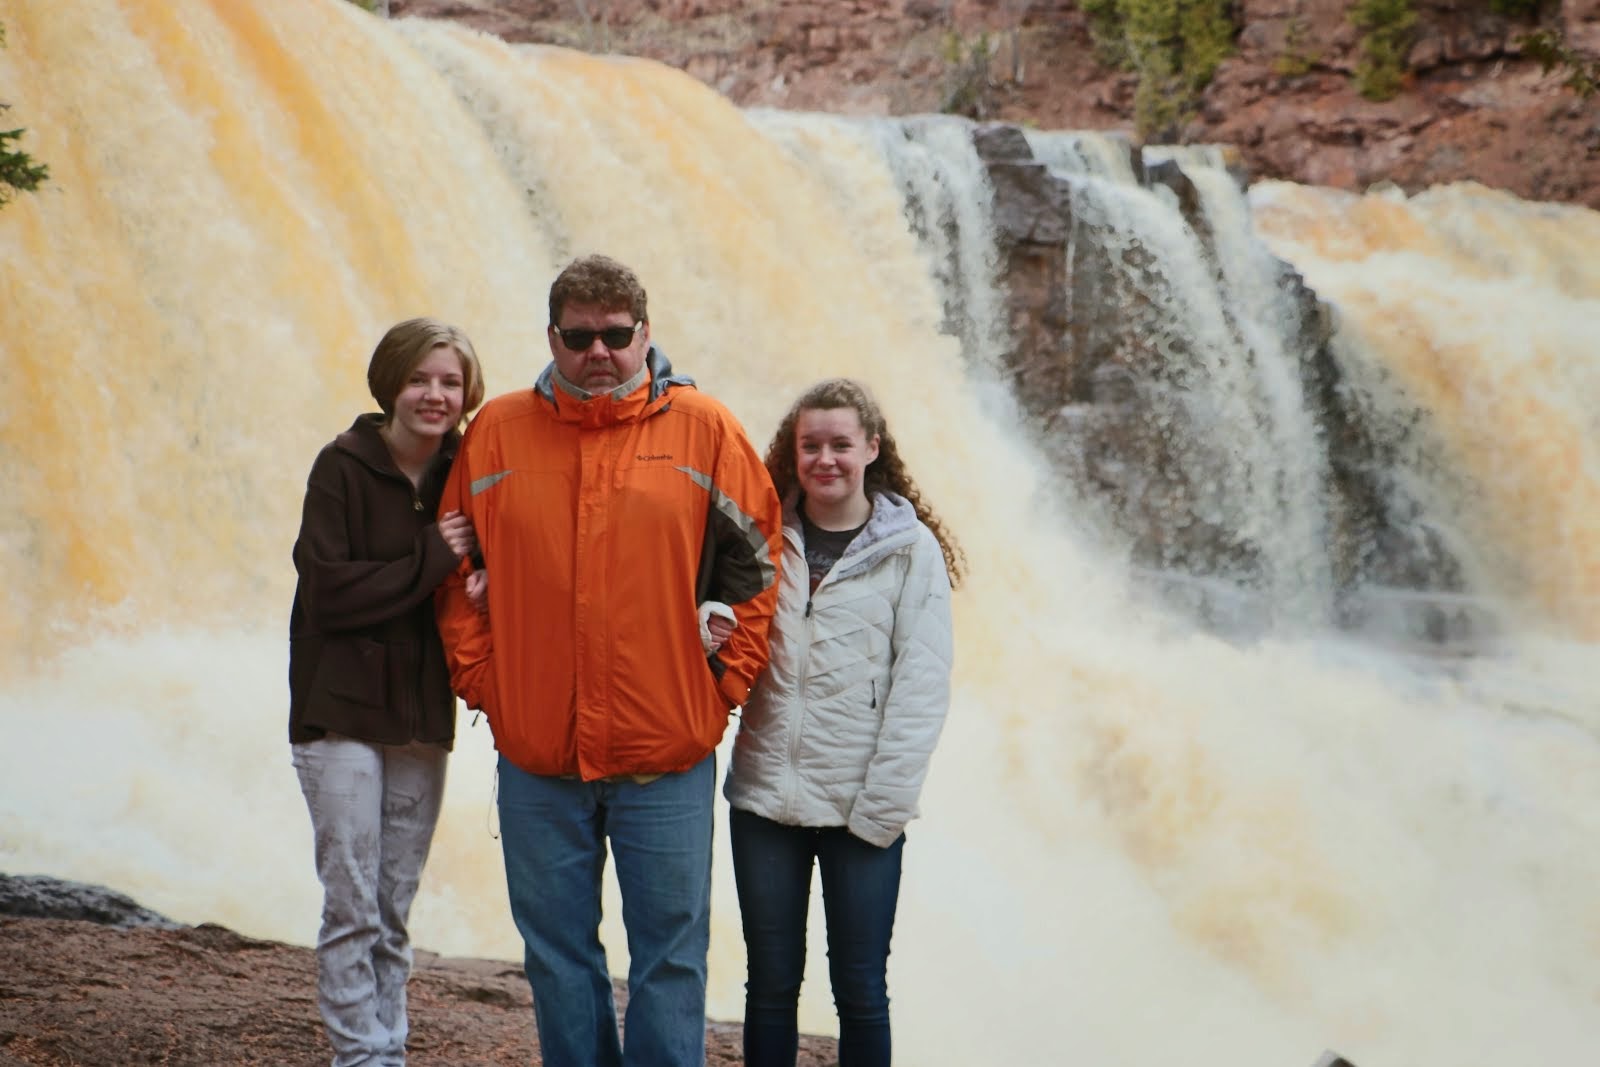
pixel 1261 309
pixel 946 200
pixel 1219 314
pixel 1138 844
pixel 1088 155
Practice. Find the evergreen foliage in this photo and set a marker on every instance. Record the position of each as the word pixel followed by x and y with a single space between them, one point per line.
pixel 1386 27
pixel 967 82
pixel 1296 58
pixel 1550 48
pixel 1105 30
pixel 1174 46
pixel 19 172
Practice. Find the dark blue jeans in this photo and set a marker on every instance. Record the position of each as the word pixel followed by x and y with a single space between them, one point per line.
pixel 860 888
pixel 554 832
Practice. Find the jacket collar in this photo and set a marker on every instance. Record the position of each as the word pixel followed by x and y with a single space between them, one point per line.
pixel 893 523
pixel 363 441
pixel 651 396
pixel 560 381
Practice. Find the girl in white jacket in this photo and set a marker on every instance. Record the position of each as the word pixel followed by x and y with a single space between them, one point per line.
pixel 836 736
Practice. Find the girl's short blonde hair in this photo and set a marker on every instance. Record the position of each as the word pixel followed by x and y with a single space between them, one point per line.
pixel 407 344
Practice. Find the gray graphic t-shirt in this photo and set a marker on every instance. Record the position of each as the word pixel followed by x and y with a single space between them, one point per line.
pixel 824 547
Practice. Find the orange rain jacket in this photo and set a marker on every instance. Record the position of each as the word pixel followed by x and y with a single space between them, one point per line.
pixel 603 524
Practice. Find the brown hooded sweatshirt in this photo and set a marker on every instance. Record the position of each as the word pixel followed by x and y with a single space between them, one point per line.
pixel 364 654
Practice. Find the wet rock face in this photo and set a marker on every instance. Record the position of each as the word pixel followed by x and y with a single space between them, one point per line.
pixel 1091 379
pixel 1032 217
pixel 1106 377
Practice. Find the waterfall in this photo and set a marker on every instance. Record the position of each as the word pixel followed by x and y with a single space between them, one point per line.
pixel 1214 458
pixel 1141 842
pixel 1467 342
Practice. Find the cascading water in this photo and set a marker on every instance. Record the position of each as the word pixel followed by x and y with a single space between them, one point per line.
pixel 1467 342
pixel 1215 467
pixel 1140 843
pixel 945 200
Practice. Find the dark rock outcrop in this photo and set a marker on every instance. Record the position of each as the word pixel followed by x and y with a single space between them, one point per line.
pixel 33 896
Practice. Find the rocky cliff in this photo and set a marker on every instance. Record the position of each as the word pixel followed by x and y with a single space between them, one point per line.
pixel 1468 103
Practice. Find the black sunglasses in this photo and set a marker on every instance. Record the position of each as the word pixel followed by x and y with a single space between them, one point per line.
pixel 615 338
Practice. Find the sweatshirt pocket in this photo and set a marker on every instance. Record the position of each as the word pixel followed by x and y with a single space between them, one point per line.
pixel 356 671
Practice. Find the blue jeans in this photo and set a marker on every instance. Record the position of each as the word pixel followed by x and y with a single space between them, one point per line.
pixel 554 833
pixel 860 888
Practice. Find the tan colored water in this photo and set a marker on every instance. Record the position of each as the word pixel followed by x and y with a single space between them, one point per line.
pixel 1483 311
pixel 1140 844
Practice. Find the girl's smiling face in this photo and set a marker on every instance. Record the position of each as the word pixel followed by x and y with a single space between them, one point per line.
pixel 430 403
pixel 832 453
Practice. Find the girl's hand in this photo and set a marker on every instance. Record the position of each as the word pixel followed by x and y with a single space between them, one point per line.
pixel 478 590
pixel 458 534
pixel 716 625
pixel 721 629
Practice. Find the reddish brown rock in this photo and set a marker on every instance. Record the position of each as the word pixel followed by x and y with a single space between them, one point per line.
pixel 74 992
pixel 1473 107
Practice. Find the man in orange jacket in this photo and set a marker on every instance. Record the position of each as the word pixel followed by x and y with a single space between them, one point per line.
pixel 611 500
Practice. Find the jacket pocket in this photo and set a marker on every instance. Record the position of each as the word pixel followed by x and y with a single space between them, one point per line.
pixel 355 670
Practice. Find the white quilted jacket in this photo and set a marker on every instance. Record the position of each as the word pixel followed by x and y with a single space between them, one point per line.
pixel 840 728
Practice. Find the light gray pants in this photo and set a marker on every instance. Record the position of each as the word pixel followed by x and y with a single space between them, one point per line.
pixel 373 810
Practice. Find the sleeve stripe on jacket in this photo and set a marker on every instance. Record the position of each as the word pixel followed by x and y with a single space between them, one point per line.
pixel 487 481
pixel 727 508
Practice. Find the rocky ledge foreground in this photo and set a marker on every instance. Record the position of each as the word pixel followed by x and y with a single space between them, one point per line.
pixel 115 984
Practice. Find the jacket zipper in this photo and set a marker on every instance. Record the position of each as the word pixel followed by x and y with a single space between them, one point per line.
pixel 800 720
pixel 416 708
